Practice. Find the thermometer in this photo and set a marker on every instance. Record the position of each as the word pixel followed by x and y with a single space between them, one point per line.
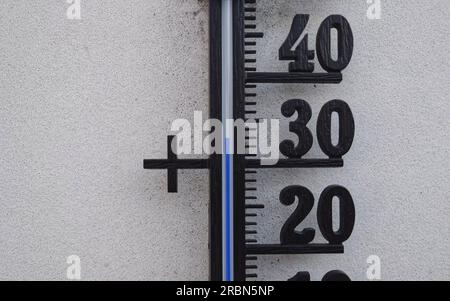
pixel 234 248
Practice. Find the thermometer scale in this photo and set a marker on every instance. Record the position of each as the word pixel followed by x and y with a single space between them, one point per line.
pixel 233 244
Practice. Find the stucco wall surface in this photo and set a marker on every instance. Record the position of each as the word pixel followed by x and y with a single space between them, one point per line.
pixel 83 102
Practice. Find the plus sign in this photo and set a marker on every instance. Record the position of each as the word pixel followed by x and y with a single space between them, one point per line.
pixel 173 164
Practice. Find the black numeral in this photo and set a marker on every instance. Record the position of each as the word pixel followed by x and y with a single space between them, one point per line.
pixel 301 55
pixel 330 276
pixel 346 128
pixel 345 43
pixel 324 123
pixel 346 214
pixel 305 138
pixel 301 277
pixel 336 276
pixel 288 234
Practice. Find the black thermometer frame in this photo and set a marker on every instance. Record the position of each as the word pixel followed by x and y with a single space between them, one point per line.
pixel 245 79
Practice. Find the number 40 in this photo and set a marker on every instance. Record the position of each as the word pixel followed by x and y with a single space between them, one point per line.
pixel 302 56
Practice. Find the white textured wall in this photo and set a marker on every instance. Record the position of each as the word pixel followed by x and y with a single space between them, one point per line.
pixel 83 102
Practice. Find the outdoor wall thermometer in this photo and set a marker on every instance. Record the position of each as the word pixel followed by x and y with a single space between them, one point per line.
pixel 234 249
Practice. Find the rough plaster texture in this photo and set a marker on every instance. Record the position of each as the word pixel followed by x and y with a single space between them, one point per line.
pixel 83 102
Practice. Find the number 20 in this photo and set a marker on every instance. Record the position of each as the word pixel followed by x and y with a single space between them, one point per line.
pixel 289 235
